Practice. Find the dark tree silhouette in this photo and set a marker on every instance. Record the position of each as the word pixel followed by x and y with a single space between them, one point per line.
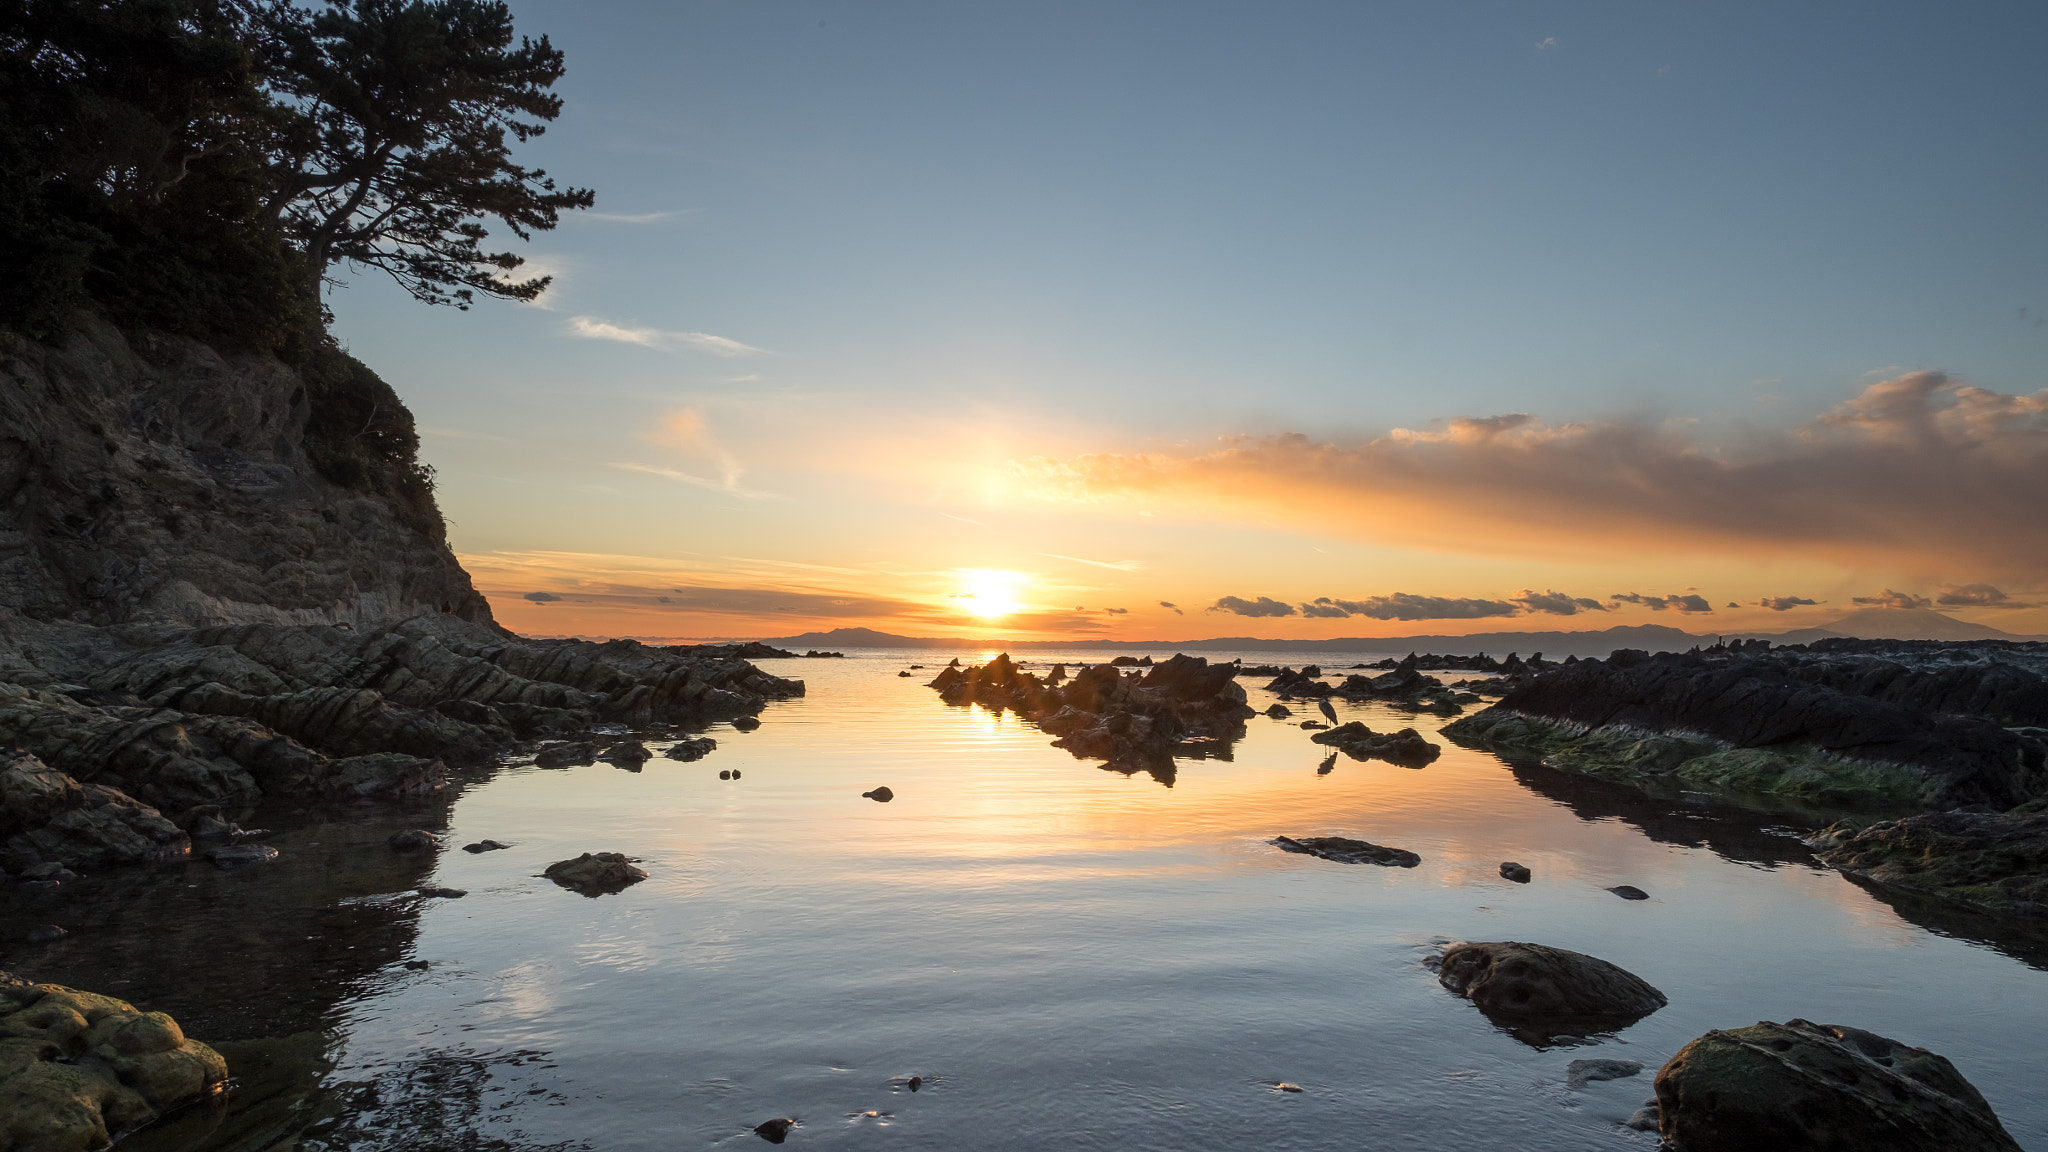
pixel 393 142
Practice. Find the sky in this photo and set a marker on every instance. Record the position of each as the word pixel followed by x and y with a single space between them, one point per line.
pixel 1158 321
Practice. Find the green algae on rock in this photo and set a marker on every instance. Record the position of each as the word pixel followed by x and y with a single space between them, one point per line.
pixel 1632 756
pixel 78 1069
pixel 1800 1086
pixel 1994 861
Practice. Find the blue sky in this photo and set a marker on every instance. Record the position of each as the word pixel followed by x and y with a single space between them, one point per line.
pixel 940 238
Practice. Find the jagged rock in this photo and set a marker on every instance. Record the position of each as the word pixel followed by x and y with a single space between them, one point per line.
pixel 1348 851
pixel 880 795
pixel 1406 747
pixel 689 750
pixel 1805 1087
pixel 77 1069
pixel 1509 870
pixel 1580 1073
pixel 574 752
pixel 1542 991
pixel 1995 861
pixel 46 818
pixel 595 873
pixel 242 855
pixel 411 840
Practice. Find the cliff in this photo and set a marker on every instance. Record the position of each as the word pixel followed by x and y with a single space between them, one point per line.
pixel 158 480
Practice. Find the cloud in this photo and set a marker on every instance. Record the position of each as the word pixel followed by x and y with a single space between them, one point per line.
pixel 634 217
pixel 1114 565
pixel 1546 44
pixel 542 597
pixel 592 328
pixel 1784 603
pixel 1684 605
pixel 1891 599
pixel 1407 606
pixel 1921 468
pixel 728 486
pixel 1169 604
pixel 1263 606
pixel 1117 611
pixel 1977 596
pixel 1557 603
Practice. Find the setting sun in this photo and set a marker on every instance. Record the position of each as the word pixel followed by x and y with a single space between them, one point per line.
pixel 989 594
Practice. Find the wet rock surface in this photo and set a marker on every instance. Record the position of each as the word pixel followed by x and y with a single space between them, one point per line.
pixel 1509 870
pixel 1539 991
pixel 1406 747
pixel 52 822
pixel 595 873
pixel 1801 1086
pixel 1580 1073
pixel 1132 721
pixel 1994 861
pixel 79 1069
pixel 1928 725
pixel 1348 851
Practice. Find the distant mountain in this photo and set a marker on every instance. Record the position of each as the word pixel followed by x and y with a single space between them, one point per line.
pixel 1914 624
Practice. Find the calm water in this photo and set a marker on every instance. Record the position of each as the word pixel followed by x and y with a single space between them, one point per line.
pixel 1070 957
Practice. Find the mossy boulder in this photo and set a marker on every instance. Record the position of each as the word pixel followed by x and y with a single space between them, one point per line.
pixel 1996 861
pixel 78 1070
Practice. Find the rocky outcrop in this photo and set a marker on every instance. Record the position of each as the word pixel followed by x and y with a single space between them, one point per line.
pixel 1804 1087
pixel 46 817
pixel 1183 706
pixel 1348 851
pixel 154 479
pixel 1539 991
pixel 1406 747
pixel 78 1070
pixel 595 873
pixel 1997 862
pixel 1834 730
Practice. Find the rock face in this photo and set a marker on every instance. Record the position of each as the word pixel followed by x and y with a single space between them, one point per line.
pixel 1348 851
pixel 77 1070
pixel 1406 747
pixel 46 818
pixel 1841 726
pixel 1995 861
pixel 1800 1086
pixel 1544 990
pixel 160 481
pixel 595 873
pixel 1181 706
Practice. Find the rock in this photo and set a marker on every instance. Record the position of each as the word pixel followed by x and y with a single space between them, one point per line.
pixel 241 855
pixel 1544 991
pixel 46 934
pixel 1279 711
pixel 724 775
pixel 628 752
pixel 1406 747
pixel 411 840
pixel 880 795
pixel 903 673
pixel 745 723
pixel 573 753
pixel 82 1069
pixel 689 750
pixel 1629 892
pixel 1800 1086
pixel 484 846
pixel 1645 1118
pixel 443 893
pixel 735 773
pixel 416 965
pixel 49 818
pixel 1580 1073
pixel 595 873
pixel 1313 725
pixel 1509 870
pixel 1348 851
pixel 914 1083
pixel 50 873
pixel 774 1131
pixel 1284 1086
pixel 1998 862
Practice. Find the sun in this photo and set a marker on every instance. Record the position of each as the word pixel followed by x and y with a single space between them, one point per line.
pixel 988 594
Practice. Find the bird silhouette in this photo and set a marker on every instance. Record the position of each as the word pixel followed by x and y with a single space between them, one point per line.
pixel 1324 704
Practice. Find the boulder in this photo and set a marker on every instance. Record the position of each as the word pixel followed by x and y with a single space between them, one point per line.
pixel 1542 991
pixel 1805 1087
pixel 595 873
pixel 1348 851
pixel 1406 747
pixel 78 1070
pixel 880 795
pixel 1509 870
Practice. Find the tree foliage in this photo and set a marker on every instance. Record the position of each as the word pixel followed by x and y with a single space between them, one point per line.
pixel 200 165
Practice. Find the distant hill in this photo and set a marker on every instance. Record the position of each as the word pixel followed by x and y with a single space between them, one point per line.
pixel 1867 624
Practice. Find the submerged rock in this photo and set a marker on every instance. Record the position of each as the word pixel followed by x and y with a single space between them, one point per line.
pixel 1805 1087
pixel 572 753
pixel 745 723
pixel 78 1070
pixel 1406 747
pixel 1994 861
pixel 595 873
pixel 774 1131
pixel 1629 892
pixel 484 846
pixel 242 855
pixel 1580 1073
pixel 1348 851
pixel 1544 991
pixel 411 840
pixel 692 749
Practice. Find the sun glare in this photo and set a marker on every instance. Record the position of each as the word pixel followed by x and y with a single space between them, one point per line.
pixel 988 594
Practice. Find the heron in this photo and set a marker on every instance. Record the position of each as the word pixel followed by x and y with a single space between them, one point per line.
pixel 1324 704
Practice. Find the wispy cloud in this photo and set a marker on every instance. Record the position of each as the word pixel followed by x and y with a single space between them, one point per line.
pixel 1113 565
pixel 592 328
pixel 730 487
pixel 635 217
pixel 1784 603
pixel 1891 599
pixel 1546 44
pixel 963 519
pixel 1978 596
